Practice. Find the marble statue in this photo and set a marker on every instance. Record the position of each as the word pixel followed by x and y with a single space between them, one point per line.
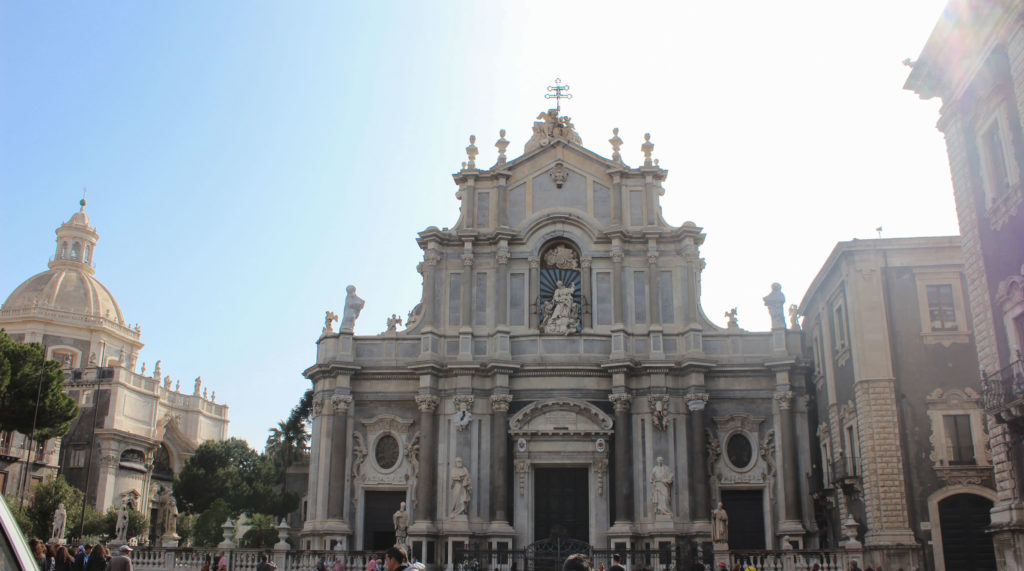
pixel 719 525
pixel 647 148
pixel 121 528
pixel 731 316
pixel 143 371
pixel 329 318
pixel 616 142
pixel 169 513
pixel 794 317
pixel 197 386
pixel 156 370
pixel 472 152
pixel 167 382
pixel 177 385
pixel 775 302
pixel 204 393
pixel 462 488
pixel 393 322
pixel 501 144
pixel 353 305
pixel 60 519
pixel 401 520
pixel 661 486
pixel 561 313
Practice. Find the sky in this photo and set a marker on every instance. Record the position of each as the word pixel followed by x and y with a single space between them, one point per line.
pixel 246 161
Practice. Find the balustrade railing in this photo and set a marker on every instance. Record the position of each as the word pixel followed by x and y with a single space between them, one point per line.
pixel 1003 387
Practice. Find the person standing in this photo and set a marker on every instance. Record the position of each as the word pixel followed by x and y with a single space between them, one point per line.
pixel 96 561
pixel 121 561
pixel 63 560
pixel 395 558
pixel 265 564
pixel 371 565
pixel 616 563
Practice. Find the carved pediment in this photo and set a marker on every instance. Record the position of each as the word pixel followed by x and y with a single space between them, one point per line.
pixel 560 416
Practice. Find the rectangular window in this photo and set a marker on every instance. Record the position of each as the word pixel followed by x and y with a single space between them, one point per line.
pixel 516 299
pixel 640 296
pixel 480 300
pixel 666 297
pixel 636 208
pixel 454 300
pixel 941 309
pixel 603 294
pixel 839 328
pixel 483 209
pixel 959 442
pixel 78 458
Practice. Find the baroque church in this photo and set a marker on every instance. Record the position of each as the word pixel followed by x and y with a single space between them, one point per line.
pixel 559 379
pixel 135 430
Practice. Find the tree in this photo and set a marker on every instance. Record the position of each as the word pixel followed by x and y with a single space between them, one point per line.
pixel 231 470
pixel 36 518
pixel 137 523
pixel 290 438
pixel 27 378
pixel 262 534
pixel 207 530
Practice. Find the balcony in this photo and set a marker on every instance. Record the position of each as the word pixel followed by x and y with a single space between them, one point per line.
pixel 1003 394
pixel 846 472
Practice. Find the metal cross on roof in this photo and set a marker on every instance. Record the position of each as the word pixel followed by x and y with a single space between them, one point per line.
pixel 560 92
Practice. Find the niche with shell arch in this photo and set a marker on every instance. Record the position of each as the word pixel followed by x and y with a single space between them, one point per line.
pixel 560 301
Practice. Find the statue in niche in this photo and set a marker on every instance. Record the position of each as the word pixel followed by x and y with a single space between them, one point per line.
pixel 561 313
pixel 353 305
pixel 775 301
pixel 661 486
pixel 401 521
pixel 462 488
pixel 121 528
pixel 719 525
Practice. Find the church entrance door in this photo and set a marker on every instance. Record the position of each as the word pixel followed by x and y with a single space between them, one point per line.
pixel 746 518
pixel 561 504
pixel 378 529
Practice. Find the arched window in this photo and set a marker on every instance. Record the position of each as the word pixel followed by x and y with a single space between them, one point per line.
pixel 88 253
pixel 76 251
pixel 64 250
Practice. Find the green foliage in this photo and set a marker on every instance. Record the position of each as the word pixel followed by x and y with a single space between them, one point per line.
pixel 262 534
pixel 207 530
pixel 46 496
pixel 231 471
pixel 186 523
pixel 138 524
pixel 20 515
pixel 290 438
pixel 25 375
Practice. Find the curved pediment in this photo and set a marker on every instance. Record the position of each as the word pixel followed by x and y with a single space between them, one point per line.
pixel 560 416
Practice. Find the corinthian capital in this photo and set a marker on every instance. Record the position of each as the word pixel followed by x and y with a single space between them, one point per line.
pixel 696 402
pixel 341 403
pixel 785 399
pixel 621 401
pixel 427 403
pixel 500 403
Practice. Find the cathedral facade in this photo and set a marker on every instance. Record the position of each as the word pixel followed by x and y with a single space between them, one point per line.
pixel 135 430
pixel 559 379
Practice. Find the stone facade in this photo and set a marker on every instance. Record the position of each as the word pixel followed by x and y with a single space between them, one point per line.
pixel 559 360
pixel 134 431
pixel 887 322
pixel 974 61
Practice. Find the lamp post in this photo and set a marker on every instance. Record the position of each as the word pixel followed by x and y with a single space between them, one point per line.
pixel 88 462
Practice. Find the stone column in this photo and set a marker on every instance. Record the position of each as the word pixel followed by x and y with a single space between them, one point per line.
pixel 339 405
pixel 586 289
pixel 791 483
pixel 466 300
pixel 653 307
pixel 618 295
pixel 430 259
pixel 320 459
pixel 106 478
pixel 501 281
pixel 499 456
pixel 623 457
pixel 617 206
pixel 534 290
pixel 501 198
pixel 426 495
pixel 700 488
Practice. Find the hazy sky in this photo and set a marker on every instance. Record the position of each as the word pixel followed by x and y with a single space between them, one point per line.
pixel 247 160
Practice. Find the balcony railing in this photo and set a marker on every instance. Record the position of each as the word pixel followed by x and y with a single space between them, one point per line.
pixel 845 468
pixel 1002 392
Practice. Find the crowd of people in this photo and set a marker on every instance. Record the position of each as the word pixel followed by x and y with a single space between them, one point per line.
pixel 54 557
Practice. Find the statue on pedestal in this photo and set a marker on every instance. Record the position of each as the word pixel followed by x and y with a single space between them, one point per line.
pixel 353 305
pixel 60 518
pixel 661 485
pixel 462 488
pixel 719 525
pixel 401 520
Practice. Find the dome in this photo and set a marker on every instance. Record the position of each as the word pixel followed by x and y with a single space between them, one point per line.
pixel 66 289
